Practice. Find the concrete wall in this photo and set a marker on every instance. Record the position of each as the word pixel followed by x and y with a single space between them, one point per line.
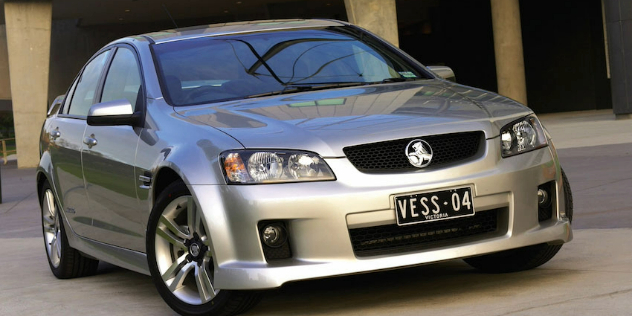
pixel 5 83
pixel 508 49
pixel 377 16
pixel 28 27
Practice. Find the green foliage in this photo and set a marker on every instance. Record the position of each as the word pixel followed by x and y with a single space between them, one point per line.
pixel 6 125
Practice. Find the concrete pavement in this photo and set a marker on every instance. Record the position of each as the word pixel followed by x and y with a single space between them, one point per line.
pixel 595 150
pixel 592 275
pixel 587 128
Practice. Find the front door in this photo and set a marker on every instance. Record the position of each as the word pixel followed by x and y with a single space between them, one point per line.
pixel 108 156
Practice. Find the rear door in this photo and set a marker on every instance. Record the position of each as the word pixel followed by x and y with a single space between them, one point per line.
pixel 108 166
pixel 66 138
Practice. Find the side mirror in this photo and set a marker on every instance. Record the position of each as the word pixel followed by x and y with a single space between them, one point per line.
pixel 443 72
pixel 54 107
pixel 111 113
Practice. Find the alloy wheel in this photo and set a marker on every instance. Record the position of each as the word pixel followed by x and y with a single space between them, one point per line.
pixel 52 228
pixel 183 255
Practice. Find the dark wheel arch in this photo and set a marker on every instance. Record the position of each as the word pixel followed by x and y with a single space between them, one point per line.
pixel 41 180
pixel 162 180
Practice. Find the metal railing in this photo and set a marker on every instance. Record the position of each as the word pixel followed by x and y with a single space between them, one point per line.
pixel 5 151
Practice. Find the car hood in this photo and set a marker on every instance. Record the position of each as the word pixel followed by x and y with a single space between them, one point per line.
pixel 326 121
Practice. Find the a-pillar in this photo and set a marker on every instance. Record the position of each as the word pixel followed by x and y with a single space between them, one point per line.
pixel 377 16
pixel 619 27
pixel 28 25
pixel 508 49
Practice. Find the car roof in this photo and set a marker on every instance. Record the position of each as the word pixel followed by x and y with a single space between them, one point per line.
pixel 236 28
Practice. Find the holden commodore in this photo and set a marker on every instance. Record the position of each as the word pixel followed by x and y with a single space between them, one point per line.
pixel 226 159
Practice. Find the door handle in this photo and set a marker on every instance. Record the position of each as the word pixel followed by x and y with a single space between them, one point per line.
pixel 54 134
pixel 90 141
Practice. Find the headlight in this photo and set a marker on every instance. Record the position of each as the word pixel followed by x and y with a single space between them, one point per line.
pixel 263 166
pixel 523 135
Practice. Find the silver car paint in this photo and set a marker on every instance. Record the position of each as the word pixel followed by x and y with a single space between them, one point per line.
pixel 365 114
pixel 66 175
pixel 189 140
pixel 110 186
pixel 320 214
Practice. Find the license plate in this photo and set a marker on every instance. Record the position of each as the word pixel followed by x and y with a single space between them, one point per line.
pixel 433 206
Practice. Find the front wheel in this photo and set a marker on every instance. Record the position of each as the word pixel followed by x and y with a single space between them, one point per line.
pixel 524 258
pixel 180 258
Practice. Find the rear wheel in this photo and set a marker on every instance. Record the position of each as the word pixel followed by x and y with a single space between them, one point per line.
pixel 524 258
pixel 65 262
pixel 180 258
pixel 568 196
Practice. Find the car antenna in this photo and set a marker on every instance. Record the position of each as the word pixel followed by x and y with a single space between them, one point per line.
pixel 169 14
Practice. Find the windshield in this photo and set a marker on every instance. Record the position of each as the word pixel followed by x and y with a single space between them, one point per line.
pixel 212 69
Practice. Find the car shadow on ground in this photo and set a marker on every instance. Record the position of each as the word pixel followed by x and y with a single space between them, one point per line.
pixel 429 285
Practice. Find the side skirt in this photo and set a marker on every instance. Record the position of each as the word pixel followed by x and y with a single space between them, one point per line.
pixel 124 258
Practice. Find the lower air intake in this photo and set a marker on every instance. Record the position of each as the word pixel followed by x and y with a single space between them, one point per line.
pixel 389 239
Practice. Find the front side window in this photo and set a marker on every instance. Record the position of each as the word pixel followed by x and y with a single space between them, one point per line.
pixel 123 79
pixel 220 68
pixel 83 97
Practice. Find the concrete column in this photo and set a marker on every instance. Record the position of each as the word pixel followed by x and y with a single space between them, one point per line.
pixel 5 85
pixel 619 28
pixel 508 49
pixel 377 16
pixel 28 26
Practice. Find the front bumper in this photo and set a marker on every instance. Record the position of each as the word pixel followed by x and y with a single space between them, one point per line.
pixel 320 214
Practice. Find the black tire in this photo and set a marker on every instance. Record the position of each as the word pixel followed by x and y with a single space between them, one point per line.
pixel 568 196
pixel 68 262
pixel 524 258
pixel 225 302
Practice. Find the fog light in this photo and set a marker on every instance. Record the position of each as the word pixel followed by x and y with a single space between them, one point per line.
pixel 273 235
pixel 543 198
pixel 546 196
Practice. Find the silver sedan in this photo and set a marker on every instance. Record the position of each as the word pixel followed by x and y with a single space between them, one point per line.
pixel 227 159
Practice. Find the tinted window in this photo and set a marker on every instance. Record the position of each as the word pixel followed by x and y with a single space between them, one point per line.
pixel 69 97
pixel 83 97
pixel 123 79
pixel 228 67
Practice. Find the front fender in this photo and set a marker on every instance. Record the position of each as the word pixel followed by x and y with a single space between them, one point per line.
pixel 188 150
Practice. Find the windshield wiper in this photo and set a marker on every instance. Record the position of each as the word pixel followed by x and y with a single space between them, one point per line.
pixel 396 79
pixel 294 88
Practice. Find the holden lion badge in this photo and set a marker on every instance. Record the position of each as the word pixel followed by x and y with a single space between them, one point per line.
pixel 419 153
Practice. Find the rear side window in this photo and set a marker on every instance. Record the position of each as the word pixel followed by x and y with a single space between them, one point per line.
pixel 83 98
pixel 123 80
pixel 69 97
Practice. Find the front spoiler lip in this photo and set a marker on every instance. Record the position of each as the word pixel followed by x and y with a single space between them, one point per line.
pixel 251 276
